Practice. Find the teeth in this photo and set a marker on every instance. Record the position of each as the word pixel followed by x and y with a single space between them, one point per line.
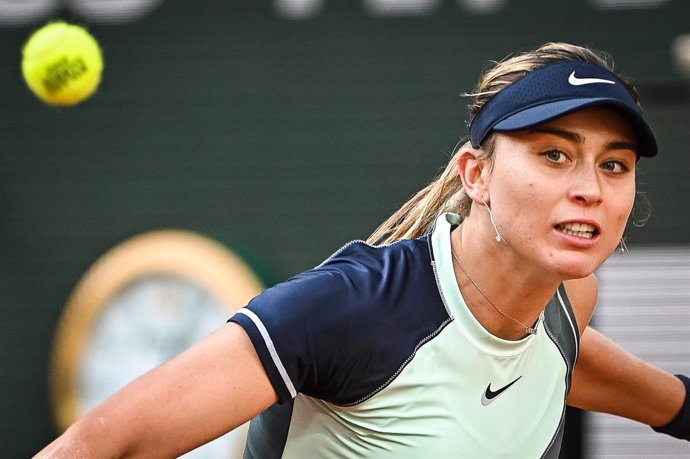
pixel 578 229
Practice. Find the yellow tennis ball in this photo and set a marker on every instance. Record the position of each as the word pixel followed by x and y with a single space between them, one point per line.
pixel 62 64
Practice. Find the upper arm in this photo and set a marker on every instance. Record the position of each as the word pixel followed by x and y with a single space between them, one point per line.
pixel 211 388
pixel 583 294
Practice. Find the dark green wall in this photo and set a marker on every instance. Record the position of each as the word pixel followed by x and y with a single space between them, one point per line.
pixel 284 138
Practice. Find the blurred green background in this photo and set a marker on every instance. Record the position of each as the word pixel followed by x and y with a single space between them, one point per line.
pixel 283 138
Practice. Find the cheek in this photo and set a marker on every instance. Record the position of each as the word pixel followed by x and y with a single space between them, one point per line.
pixel 525 203
pixel 622 209
pixel 528 196
pixel 520 196
pixel 626 211
pixel 627 204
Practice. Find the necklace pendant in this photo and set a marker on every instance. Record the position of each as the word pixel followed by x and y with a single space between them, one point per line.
pixel 533 330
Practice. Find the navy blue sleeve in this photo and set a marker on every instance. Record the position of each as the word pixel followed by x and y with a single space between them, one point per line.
pixel 341 330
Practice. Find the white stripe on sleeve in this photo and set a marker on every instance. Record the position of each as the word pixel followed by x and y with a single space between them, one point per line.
pixel 271 349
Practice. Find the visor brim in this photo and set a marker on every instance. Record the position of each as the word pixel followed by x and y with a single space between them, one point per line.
pixel 544 113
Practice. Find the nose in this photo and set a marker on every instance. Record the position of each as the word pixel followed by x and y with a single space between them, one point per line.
pixel 585 187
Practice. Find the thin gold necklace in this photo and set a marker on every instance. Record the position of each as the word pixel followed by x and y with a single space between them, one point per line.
pixel 528 330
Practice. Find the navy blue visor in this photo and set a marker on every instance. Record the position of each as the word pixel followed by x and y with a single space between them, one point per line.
pixel 556 90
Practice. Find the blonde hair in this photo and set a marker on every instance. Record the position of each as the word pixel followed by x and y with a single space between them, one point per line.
pixel 446 193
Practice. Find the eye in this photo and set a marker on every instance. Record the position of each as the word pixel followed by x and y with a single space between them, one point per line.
pixel 555 156
pixel 615 167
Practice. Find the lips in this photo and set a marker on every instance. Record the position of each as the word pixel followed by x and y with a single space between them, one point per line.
pixel 584 230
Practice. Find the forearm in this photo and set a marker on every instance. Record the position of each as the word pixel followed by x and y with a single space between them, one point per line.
pixel 609 379
pixel 128 424
pixel 73 444
pixel 201 394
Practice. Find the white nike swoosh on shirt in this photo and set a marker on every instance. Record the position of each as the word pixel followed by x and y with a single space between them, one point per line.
pixel 575 81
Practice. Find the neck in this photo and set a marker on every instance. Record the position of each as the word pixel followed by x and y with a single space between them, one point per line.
pixel 497 278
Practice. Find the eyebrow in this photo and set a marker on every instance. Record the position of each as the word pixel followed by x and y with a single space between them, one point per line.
pixel 577 138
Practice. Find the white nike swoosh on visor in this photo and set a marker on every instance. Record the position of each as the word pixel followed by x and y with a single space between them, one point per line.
pixel 575 81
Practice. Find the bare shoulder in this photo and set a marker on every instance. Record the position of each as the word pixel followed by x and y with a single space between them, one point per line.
pixel 583 294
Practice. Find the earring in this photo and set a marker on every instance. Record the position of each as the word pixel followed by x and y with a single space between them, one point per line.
pixel 498 237
pixel 622 247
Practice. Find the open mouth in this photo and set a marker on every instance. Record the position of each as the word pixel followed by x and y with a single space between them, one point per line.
pixel 578 229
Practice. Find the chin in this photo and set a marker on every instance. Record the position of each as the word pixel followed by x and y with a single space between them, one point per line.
pixel 576 267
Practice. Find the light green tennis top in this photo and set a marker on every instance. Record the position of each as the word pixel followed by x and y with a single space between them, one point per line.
pixel 458 392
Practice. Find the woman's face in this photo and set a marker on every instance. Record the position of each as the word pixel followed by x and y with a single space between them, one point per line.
pixel 562 192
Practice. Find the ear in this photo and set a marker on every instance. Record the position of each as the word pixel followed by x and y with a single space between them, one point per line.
pixel 474 173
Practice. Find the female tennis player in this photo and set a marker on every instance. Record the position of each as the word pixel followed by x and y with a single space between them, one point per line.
pixel 460 328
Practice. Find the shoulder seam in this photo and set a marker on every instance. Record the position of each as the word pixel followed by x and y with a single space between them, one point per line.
pixel 358 241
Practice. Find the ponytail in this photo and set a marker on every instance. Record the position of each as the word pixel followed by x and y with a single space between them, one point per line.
pixel 416 217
